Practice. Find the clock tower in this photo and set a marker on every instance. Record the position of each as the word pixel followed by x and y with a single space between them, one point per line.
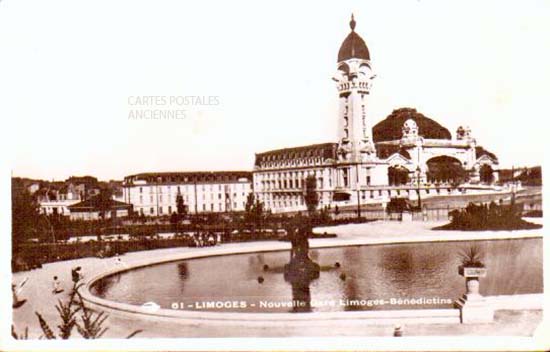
pixel 353 79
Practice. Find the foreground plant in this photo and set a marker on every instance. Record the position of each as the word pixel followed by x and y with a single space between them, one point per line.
pixel 89 326
pixel 15 335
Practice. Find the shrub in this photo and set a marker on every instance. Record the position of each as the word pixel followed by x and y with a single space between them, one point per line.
pixel 488 217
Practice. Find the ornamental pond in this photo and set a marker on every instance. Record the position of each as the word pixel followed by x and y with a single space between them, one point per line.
pixel 369 277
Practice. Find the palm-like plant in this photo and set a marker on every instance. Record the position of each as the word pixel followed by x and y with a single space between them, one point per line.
pixel 91 327
pixel 472 257
pixel 48 333
pixel 68 318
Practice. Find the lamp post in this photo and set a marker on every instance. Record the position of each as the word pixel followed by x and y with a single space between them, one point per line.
pixel 52 232
pixel 358 192
pixel 195 194
pixel 418 173
pixel 358 204
pixel 514 185
pixel 157 194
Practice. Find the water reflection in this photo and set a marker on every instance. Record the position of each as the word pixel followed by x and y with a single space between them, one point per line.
pixel 301 296
pixel 102 286
pixel 183 271
pixel 301 270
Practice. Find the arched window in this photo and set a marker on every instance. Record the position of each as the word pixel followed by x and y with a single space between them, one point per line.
pixel 398 175
pixel 445 169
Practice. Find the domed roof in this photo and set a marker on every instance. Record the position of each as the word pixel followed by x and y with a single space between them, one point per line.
pixel 391 128
pixel 353 46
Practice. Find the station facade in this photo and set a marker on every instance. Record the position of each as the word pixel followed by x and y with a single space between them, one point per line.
pixel 405 155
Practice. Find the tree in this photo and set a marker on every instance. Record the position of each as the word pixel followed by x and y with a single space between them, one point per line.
pixel 486 174
pixel 43 228
pixel 24 214
pixel 174 219
pixel 254 211
pixel 180 206
pixel 104 202
pixel 249 202
pixel 311 198
pixel 181 209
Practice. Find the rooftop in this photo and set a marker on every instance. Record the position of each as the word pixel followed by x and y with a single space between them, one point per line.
pixel 323 150
pixel 98 203
pixel 189 177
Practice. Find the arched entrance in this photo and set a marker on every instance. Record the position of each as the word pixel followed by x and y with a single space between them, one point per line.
pixel 445 169
pixel 398 175
pixel 486 174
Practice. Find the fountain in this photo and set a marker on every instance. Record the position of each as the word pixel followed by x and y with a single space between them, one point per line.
pixel 301 270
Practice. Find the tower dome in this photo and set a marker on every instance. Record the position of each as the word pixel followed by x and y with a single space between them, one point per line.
pixel 354 46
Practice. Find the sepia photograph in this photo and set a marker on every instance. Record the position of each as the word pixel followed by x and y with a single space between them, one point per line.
pixel 357 175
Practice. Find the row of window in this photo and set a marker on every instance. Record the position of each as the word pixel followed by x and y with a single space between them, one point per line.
pixel 159 198
pixel 191 188
pixel 288 180
pixel 214 178
pixel 53 210
pixel 292 162
pixel 205 207
pixel 284 201
pixel 289 174
pixel 345 177
pixel 287 184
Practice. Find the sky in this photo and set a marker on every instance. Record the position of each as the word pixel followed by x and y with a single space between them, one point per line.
pixel 75 74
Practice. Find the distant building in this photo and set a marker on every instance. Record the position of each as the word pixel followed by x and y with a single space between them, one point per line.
pixel 55 199
pixel 86 186
pixel 155 193
pixel 279 175
pixel 116 190
pixel 95 208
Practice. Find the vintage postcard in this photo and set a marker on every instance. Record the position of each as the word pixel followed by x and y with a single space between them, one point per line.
pixel 274 175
